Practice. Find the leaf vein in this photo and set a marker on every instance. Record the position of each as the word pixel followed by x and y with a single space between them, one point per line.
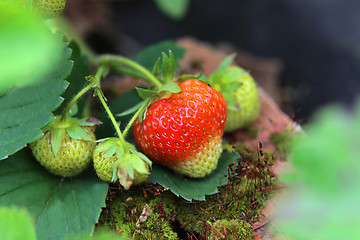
pixel 20 187
pixel 49 199
pixel 76 204
pixel 65 218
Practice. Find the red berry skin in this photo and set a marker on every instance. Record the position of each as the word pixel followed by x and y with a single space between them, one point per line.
pixel 186 126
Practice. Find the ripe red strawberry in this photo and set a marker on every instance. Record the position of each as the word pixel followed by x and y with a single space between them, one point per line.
pixel 184 131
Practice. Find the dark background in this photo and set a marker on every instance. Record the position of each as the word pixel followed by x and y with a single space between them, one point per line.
pixel 317 40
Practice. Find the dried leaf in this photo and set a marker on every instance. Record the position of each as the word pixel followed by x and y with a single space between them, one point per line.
pixel 147 211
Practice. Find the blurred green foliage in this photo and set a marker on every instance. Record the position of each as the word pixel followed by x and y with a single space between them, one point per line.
pixel 175 9
pixel 16 224
pixel 323 194
pixel 25 44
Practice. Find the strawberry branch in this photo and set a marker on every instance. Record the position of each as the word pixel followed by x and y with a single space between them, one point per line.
pixel 136 115
pixel 74 99
pixel 119 60
pixel 95 81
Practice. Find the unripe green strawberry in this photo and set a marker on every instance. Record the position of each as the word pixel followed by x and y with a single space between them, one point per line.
pixel 49 8
pixel 241 94
pixel 184 130
pixel 113 160
pixel 247 102
pixel 67 146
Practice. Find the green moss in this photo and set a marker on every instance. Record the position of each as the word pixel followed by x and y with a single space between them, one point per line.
pixel 237 201
pixel 124 210
pixel 249 188
pixel 234 230
pixel 235 205
pixel 283 142
pixel 100 234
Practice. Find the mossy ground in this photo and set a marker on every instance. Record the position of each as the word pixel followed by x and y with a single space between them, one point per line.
pixel 231 229
pixel 229 213
pixel 284 141
pixel 124 209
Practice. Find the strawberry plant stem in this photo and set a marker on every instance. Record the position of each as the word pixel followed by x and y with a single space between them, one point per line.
pixel 111 116
pixel 96 79
pixel 74 99
pixel 118 61
pixel 132 120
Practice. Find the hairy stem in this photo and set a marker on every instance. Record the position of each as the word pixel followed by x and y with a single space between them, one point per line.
pixel 102 69
pixel 109 113
pixel 94 81
pixel 74 99
pixel 119 60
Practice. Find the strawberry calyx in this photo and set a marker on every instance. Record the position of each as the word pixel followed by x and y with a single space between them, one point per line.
pixel 73 127
pixel 225 82
pixel 132 168
pixel 167 87
pixel 240 92
pixel 129 165
pixel 166 73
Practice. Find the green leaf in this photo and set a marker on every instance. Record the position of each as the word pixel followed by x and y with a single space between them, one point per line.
pixel 119 152
pixel 230 101
pixel 143 157
pixel 221 69
pixel 170 87
pixel 192 188
pixel 28 48
pixel 57 137
pixel 128 165
pixel 164 65
pixel 168 66
pixel 138 164
pixel 145 93
pixel 88 122
pixel 11 218
pixel 112 149
pixel 151 54
pixel 131 110
pixel 77 132
pixel 175 9
pixel 203 78
pixel 101 235
pixel 188 76
pixel 24 111
pixel 60 207
pixel 326 171
pixel 225 64
pixel 156 68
